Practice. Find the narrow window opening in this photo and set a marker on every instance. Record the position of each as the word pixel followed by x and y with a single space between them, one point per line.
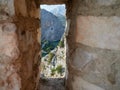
pixel 53 41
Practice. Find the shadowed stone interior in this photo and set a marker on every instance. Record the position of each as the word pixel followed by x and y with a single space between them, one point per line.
pixel 93 52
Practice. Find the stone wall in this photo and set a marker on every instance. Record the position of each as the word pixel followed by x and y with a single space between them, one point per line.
pixel 28 24
pixel 29 58
pixel 19 47
pixel 9 51
pixel 94 55
pixel 20 43
pixel 49 2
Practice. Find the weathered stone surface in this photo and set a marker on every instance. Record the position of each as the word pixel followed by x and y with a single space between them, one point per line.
pixel 29 47
pixel 9 52
pixel 92 67
pixel 81 84
pixel 53 84
pixel 99 7
pixel 21 7
pixel 19 47
pixel 95 69
pixel 6 9
pixel 102 32
pixel 94 54
pixel 27 8
pixel 53 1
pixel 106 2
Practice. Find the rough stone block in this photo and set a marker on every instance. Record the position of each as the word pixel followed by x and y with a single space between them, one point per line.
pixel 94 69
pixel 9 79
pixel 6 9
pixel 101 32
pixel 106 2
pixel 21 7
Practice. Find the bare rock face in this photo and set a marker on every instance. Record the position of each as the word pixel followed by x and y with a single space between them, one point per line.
pixel 9 52
pixel 52 28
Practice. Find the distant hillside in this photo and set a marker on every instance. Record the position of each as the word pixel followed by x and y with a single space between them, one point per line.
pixel 52 28
pixel 60 12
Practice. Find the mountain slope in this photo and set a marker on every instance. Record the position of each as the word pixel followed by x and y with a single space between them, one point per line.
pixel 52 28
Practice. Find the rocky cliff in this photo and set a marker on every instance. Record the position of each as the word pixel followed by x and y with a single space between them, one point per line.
pixel 52 28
